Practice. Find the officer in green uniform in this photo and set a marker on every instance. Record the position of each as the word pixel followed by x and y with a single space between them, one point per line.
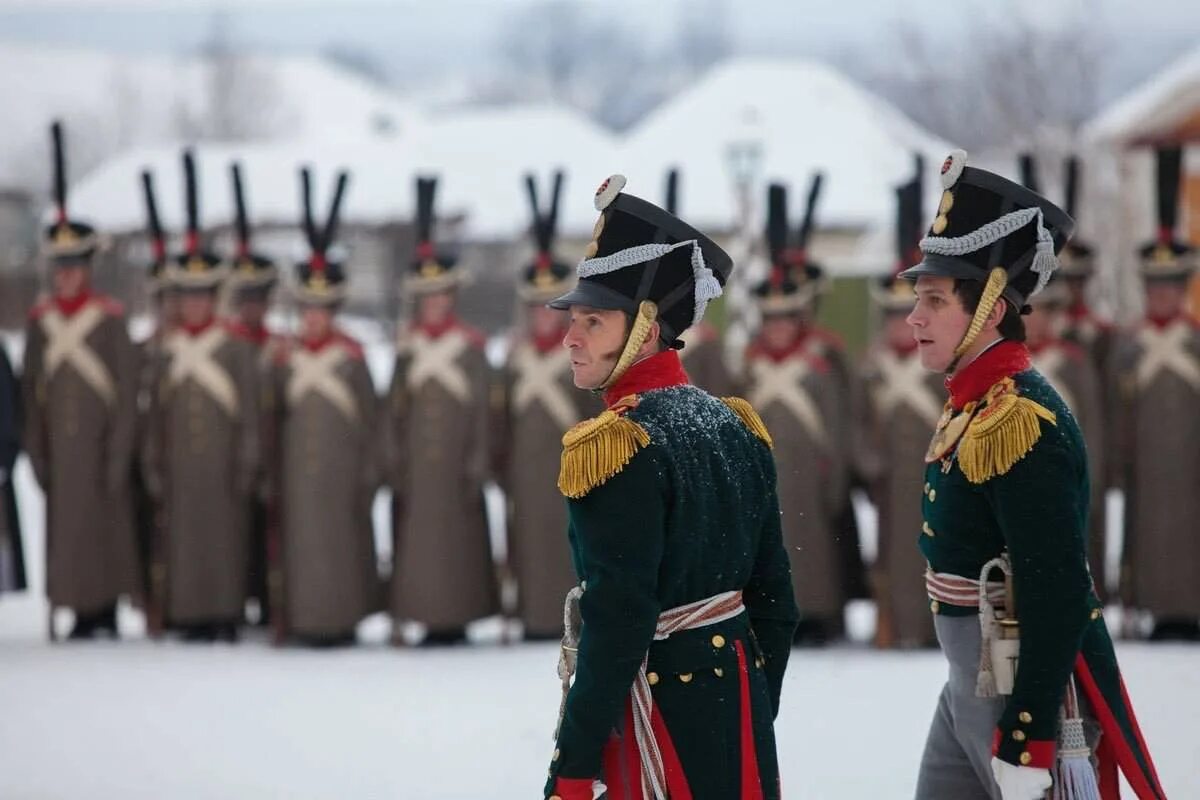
pixel 679 633
pixel 1005 531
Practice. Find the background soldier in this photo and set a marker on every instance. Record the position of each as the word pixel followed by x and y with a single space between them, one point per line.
pixel 443 573
pixel 79 396
pixel 1071 369
pixel 12 552
pixel 801 399
pixel 202 450
pixel 539 404
pixel 251 277
pixel 703 352
pixel 901 404
pixel 1157 374
pixel 328 465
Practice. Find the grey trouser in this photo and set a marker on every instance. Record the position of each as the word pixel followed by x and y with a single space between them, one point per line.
pixel 956 764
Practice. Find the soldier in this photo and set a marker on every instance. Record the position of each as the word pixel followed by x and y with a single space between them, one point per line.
pixel 328 467
pixel 901 405
pixel 164 310
pixel 1070 368
pixel 1082 326
pixel 79 397
pixel 800 396
pixel 539 404
pixel 703 354
pixel 251 277
pixel 1157 386
pixel 1005 522
pixel 202 450
pixel 443 571
pixel 12 553
pixel 681 627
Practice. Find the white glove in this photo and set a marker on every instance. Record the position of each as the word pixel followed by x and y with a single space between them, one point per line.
pixel 1020 783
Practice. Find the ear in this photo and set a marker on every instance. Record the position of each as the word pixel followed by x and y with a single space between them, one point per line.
pixel 997 313
pixel 650 346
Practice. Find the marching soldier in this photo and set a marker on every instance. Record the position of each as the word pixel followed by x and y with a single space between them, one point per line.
pixel 12 553
pixel 540 403
pixel 902 403
pixel 1005 522
pixel 680 630
pixel 79 397
pixel 801 399
pixel 703 353
pixel 1069 367
pixel 1157 377
pixel 202 450
pixel 443 572
pixel 251 277
pixel 328 464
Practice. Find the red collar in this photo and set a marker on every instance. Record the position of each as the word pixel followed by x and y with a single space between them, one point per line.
pixel 196 330
pixel 258 334
pixel 545 344
pixel 760 347
pixel 1162 323
pixel 438 331
pixel 659 371
pixel 317 345
pixel 68 306
pixel 1080 311
pixel 999 361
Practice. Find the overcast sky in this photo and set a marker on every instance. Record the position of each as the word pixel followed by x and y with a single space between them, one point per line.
pixel 416 39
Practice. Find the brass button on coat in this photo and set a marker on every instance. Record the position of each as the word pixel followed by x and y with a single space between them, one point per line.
pixel 1018 736
pixel 1025 717
pixel 652 678
pixel 1025 758
pixel 718 641
pixel 686 677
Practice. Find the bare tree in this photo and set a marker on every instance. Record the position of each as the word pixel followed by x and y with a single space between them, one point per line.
pixel 241 91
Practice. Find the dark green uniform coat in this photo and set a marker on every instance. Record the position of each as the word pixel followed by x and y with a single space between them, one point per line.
pixel 1031 500
pixel 692 514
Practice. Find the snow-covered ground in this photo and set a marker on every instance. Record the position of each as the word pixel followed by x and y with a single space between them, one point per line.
pixel 137 719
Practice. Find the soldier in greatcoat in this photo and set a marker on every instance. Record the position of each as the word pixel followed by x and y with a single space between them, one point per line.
pixel 444 573
pixel 79 396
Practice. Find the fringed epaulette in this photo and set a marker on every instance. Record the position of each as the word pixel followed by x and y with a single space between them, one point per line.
pixel 749 418
pixel 1003 431
pixel 598 448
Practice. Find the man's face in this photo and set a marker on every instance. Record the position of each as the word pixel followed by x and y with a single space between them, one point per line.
pixel 252 309
pixel 168 308
pixel 316 322
pixel 196 307
pixel 896 331
pixel 938 322
pixel 435 309
pixel 780 331
pixel 1042 323
pixel 594 338
pixel 1165 298
pixel 70 280
pixel 545 322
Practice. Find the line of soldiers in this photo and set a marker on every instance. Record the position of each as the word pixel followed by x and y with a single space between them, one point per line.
pixel 250 459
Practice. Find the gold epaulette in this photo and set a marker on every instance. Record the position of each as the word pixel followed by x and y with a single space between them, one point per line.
pixel 749 418
pixel 1003 431
pixel 598 448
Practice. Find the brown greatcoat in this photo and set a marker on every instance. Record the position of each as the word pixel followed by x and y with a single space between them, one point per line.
pixel 443 572
pixel 201 460
pixel 704 360
pixel 80 400
pixel 538 403
pixel 1157 374
pixel 901 405
pixel 1070 370
pixel 329 448
pixel 797 396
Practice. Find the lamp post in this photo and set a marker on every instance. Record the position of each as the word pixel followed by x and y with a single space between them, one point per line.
pixel 743 158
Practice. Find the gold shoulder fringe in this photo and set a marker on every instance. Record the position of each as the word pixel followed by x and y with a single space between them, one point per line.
pixel 597 449
pixel 749 418
pixel 1002 433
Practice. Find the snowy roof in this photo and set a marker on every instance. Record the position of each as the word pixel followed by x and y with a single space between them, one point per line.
pixel 1153 109
pixel 806 117
pixel 480 157
pixel 111 101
